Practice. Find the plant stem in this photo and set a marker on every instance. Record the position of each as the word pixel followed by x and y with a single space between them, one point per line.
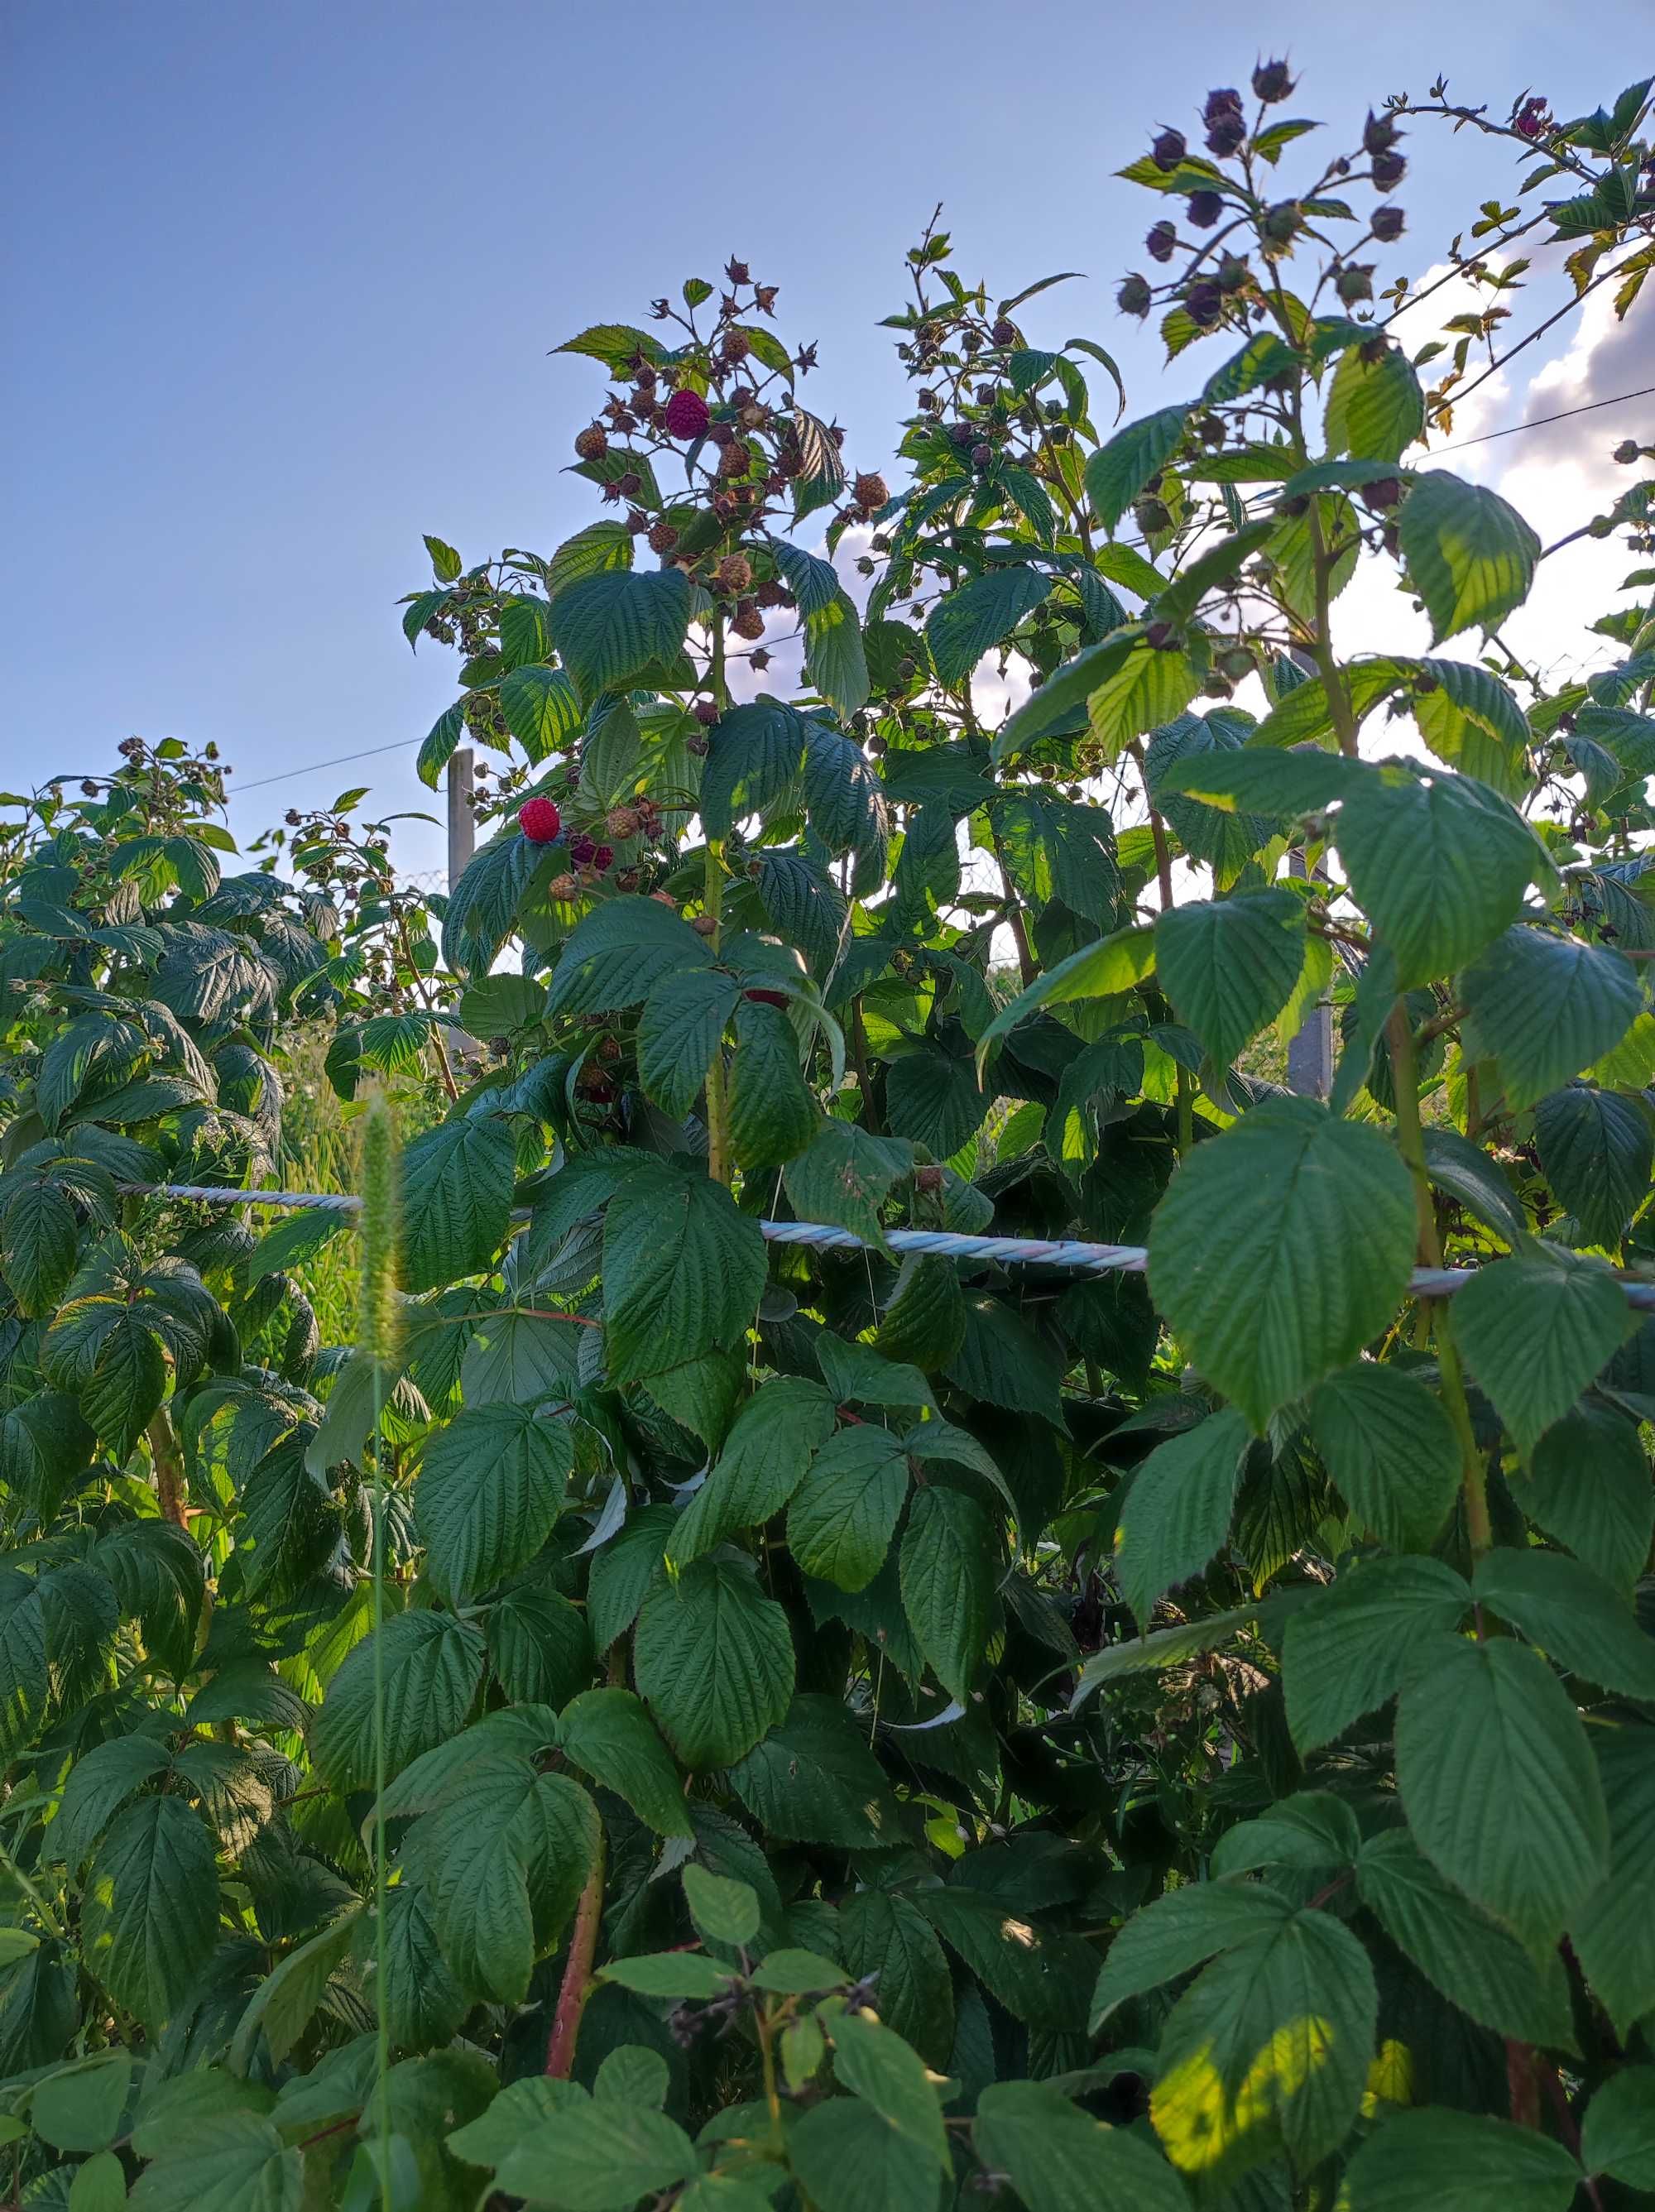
pixel 1186 1102
pixel 718 1111
pixel 577 1973
pixel 8 1865
pixel 1410 1143
pixel 857 1034
pixel 169 1463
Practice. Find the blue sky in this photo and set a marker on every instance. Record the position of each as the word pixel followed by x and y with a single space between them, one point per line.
pixel 281 283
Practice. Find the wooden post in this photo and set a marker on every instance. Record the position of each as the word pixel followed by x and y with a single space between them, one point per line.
pixel 462 825
pixel 1310 1054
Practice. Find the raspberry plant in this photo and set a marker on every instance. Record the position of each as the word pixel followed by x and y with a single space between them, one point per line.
pixel 671 1717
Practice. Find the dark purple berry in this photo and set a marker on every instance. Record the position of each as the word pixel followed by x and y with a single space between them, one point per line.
pixel 1388 224
pixel 1160 242
pixel 1271 81
pixel 1388 170
pixel 1169 149
pixel 1204 209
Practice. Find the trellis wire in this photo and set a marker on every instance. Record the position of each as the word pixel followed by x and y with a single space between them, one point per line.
pixel 943 1243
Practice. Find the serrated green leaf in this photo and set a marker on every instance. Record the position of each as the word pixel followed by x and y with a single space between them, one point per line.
pixel 1229 965
pixel 683 1271
pixel 607 1733
pixel 1177 1510
pixel 1536 1329
pixel 1498 1783
pixel 677 1034
pixel 1598 1150
pixel 149 1918
pixel 762 1463
pixel 1346 1651
pixel 614 626
pixel 490 1488
pixel 773 1113
pixel 966 624
pixel 1118 472
pixel 713 1660
pixel 1469 553
pixel 1279 1248
pixel 1390 1450
pixel 463 1173
pixel 1440 866
pixel 1576 1619
pixel 844 1513
pixel 950 1563
pixel 1424 2160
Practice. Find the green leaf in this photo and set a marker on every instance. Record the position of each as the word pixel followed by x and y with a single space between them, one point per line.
pixel 490 1488
pixel 1470 719
pixel 99 1783
pixel 286 2002
pixel 845 1176
pixel 1390 1450
pixel 835 663
pixel 1177 1510
pixel 1062 694
pixel 462 1175
pixel 1118 472
pixel 951 1557
pixel 80 2107
pixel 149 1914
pixel 1575 1618
pixel 1536 1329
pixel 38 1246
pixel 814 1780
pixel 540 1649
pixel 1346 1652
pixel 541 708
pixel 1375 408
pixel 1468 1958
pixel 224 2161
pixel 1042 1979
pixel 966 624
pixel 847 2158
pixel 432 1667
pixel 607 1733
pixel 723 1911
pixel 933 1099
pixel 1250 2061
pixel 1221 836
pixel 1498 1783
pixel 1470 555
pixel 1106 969
pixel 873 2062
pixel 1614 1932
pixel 762 1463
pixel 600 546
pixel 1607 1518
pixel 1303 712
pixel 1430 2159
pixel 1056 850
pixel 617 954
pixel 1229 965
pixel 683 1271
pixel 1182 1928
pixel 844 1513
pixel 755 756
pixel 678 1974
pixel 713 1660
pixel 1059 2159
pixel 1598 1152
pixel 1547 1006
pixel 1439 866
pixel 612 626
pixel 677 1034
pixel 483 905
pixel 886 1937
pixel 1279 1248
pixel 503 1861
pixel 773 1114
pixel 594 2155
pixel 1618 2138
pixel 1152 685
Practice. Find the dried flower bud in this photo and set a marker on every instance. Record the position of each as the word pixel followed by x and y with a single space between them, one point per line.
pixel 1161 242
pixel 1168 150
pixel 1204 209
pixel 1388 170
pixel 1389 223
pixel 1379 134
pixel 1134 296
pixel 1271 82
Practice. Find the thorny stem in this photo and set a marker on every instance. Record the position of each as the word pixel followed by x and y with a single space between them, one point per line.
pixel 718 1112
pixel 169 1470
pixel 577 1973
pixel 1186 1102
pixel 1410 1143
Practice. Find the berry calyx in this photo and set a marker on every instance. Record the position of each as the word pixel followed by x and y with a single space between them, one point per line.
pixel 539 821
pixel 687 416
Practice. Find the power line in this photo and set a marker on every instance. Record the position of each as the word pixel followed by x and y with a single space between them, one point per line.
pixel 344 760
pixel 1541 421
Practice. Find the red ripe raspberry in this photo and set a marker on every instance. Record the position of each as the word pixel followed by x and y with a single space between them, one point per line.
pixel 706 712
pixel 539 821
pixel 580 851
pixel 603 858
pixel 686 414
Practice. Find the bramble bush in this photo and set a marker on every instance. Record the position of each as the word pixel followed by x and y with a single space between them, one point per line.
pixel 663 1716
